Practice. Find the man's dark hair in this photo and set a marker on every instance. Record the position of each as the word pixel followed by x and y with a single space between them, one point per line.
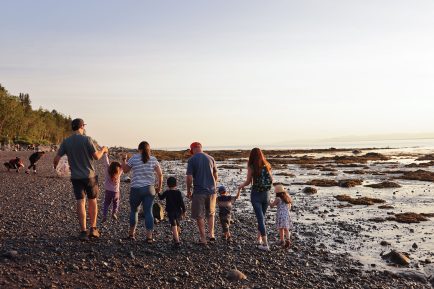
pixel 171 182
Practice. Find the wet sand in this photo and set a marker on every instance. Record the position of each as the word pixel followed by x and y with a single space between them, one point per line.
pixel 331 248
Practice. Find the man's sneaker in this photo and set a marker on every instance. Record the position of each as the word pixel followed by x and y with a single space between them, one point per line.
pixel 263 247
pixel 83 235
pixel 94 233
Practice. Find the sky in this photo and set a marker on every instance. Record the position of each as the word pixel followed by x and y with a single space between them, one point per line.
pixel 225 73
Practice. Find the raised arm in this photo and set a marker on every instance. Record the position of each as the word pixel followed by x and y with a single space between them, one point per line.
pixel 125 167
pixel 98 154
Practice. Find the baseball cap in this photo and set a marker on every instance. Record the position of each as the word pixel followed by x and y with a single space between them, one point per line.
pixel 77 123
pixel 222 189
pixel 194 145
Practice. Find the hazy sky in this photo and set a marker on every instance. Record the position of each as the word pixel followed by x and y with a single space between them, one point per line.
pixel 224 72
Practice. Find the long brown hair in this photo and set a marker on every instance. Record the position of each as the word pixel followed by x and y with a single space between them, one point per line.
pixel 146 151
pixel 257 161
pixel 284 196
pixel 114 171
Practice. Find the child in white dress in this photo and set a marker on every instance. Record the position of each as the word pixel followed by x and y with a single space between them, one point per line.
pixel 283 221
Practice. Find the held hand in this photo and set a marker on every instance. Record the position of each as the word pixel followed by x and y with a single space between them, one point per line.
pixel 240 187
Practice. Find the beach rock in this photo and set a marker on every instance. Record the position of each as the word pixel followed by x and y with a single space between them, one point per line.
pixel 384 243
pixel 385 184
pixel 357 152
pixel 428 157
pixel 359 201
pixel 235 275
pixel 414 246
pixel 396 258
pixel 419 175
pixel 350 183
pixel 322 183
pixel 409 218
pixel 309 190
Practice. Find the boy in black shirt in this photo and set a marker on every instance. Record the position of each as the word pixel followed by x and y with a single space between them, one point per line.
pixel 175 207
pixel 225 202
pixel 34 158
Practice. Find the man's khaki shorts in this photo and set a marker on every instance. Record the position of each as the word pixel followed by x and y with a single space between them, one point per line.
pixel 203 206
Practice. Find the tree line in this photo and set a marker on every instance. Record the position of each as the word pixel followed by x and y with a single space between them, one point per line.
pixel 21 124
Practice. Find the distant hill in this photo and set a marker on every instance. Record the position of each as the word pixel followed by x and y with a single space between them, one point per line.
pixel 19 123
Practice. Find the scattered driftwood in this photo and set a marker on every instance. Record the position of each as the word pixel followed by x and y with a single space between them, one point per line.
pixel 285 174
pixel 350 183
pixel 410 217
pixel 359 201
pixel 383 185
pixel 322 183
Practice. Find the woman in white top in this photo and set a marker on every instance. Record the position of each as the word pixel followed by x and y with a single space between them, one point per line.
pixel 144 167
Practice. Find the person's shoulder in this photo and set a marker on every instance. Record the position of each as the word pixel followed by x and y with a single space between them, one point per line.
pixel 153 159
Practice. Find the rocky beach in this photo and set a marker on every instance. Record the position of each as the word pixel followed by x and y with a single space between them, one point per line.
pixel 363 219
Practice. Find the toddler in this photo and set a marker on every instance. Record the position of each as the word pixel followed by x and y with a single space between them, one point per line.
pixel 225 202
pixel 175 208
pixel 113 172
pixel 283 221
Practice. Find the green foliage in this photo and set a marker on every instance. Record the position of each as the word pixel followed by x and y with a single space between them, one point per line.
pixel 19 123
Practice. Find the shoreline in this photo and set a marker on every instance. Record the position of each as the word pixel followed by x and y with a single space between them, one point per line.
pixel 49 254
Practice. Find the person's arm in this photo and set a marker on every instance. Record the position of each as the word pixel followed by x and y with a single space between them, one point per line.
pixel 248 179
pixel 181 202
pixel 274 203
pixel 214 172
pixel 162 196
pixel 59 154
pixel 159 173
pixel 125 167
pixel 98 154
pixel 189 182
pixel 106 160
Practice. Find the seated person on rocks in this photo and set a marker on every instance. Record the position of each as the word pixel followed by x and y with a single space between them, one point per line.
pixel 224 203
pixel 175 208
pixel 14 164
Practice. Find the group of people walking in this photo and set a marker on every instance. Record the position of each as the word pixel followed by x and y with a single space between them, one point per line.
pixel 147 183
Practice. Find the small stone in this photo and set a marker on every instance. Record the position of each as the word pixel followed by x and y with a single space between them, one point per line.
pixel 235 275
pixel 414 246
pixel 384 243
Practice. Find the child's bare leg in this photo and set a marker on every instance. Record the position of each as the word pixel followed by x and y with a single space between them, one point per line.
pixel 288 234
pixel 175 234
pixel 282 234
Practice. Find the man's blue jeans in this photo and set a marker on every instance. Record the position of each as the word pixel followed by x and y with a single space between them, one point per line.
pixel 144 196
pixel 260 202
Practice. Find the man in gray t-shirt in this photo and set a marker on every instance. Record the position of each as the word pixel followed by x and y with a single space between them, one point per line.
pixel 202 176
pixel 81 152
